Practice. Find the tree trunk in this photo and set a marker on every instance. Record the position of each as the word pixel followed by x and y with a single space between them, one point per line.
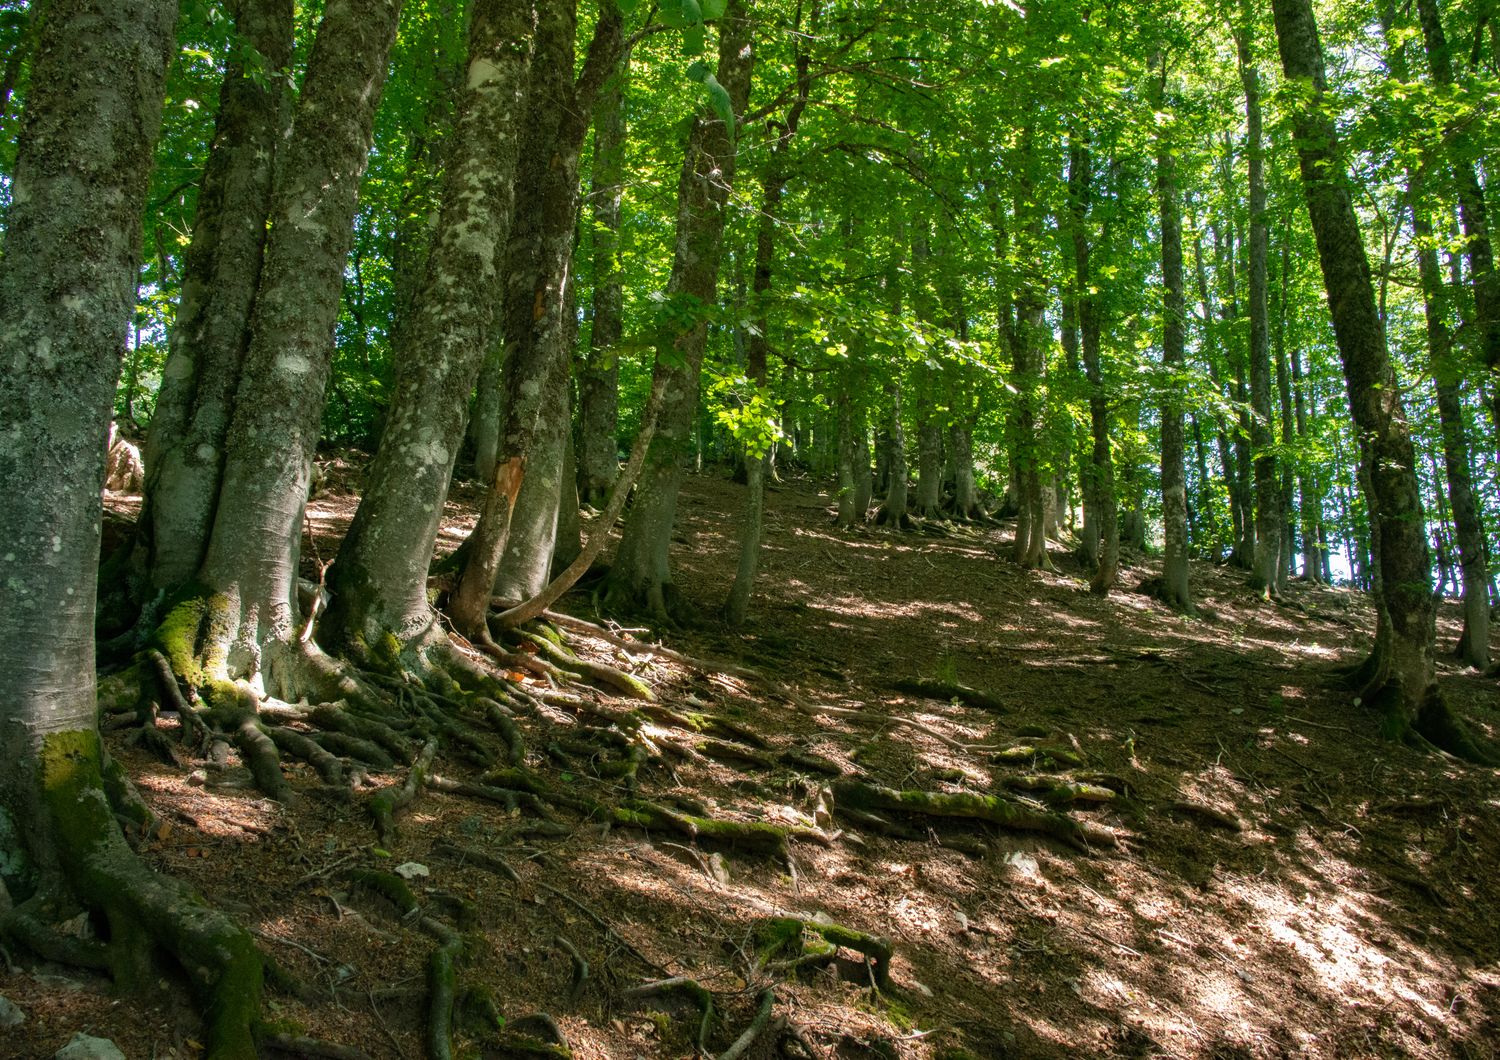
pixel 1403 684
pixel 379 580
pixel 67 290
pixel 1175 589
pixel 641 573
pixel 1473 215
pixel 250 568
pixel 1266 566
pixel 184 451
pixel 599 376
pixel 513 544
pixel 864 480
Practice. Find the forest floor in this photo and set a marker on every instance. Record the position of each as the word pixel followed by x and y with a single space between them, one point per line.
pixel 1286 883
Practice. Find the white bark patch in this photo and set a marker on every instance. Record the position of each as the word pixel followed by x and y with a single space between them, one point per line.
pixel 482 72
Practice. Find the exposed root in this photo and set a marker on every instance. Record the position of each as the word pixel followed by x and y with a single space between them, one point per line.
pixel 300 1045
pixel 950 690
pixel 618 680
pixel 992 808
pixel 690 989
pixel 580 967
pixel 755 837
pixel 757 1026
pixel 1210 814
pixel 798 944
pixel 387 802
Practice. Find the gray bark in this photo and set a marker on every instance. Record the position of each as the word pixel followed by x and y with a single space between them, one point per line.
pixel 1175 588
pixel 184 451
pixel 379 581
pixel 251 556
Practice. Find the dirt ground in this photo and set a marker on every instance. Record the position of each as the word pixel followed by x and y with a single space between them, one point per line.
pixel 1285 884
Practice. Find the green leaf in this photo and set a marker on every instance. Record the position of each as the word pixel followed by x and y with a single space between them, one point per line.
pixel 627 7
pixel 693 39
pixel 718 98
pixel 713 8
pixel 698 72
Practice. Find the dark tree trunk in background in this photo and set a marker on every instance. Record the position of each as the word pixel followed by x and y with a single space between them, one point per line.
pixel 1472 212
pixel 1266 565
pixel 67 290
pixel 250 568
pixel 893 509
pixel 1402 681
pixel 599 375
pixel 513 544
pixel 184 451
pixel 379 580
pixel 641 573
pixel 1173 475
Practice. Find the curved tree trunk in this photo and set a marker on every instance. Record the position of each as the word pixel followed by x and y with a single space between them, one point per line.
pixel 379 580
pixel 184 451
pixel 641 573
pixel 1403 684
pixel 249 571
pixel 67 289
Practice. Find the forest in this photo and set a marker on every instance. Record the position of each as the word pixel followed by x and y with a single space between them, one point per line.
pixel 749 528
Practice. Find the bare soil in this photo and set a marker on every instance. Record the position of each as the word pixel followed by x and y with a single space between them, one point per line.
pixel 1287 885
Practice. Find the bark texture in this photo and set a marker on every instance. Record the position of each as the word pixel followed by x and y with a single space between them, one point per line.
pixel 379 580
pixel 185 445
pixel 1175 590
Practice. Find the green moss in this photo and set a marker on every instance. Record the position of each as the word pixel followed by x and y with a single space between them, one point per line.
pixel 389 886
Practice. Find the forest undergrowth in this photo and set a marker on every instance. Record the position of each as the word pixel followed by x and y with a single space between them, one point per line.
pixel 926 804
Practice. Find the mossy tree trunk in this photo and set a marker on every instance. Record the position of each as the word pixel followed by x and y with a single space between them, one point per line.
pixel 641 573
pixel 67 289
pixel 249 572
pixel 513 544
pixel 184 451
pixel 1402 682
pixel 379 580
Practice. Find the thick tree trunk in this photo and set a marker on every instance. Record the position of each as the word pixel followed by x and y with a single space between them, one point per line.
pixel 641 572
pixel 1472 212
pixel 599 376
pixel 1266 566
pixel 1175 589
pixel 379 580
pixel 1404 685
pixel 513 544
pixel 251 564
pixel 67 288
pixel 184 450
pixel 893 509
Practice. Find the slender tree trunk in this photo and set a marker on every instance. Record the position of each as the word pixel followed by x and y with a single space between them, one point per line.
pixel 864 481
pixel 1404 686
pixel 599 376
pixel 379 580
pixel 1473 215
pixel 1287 566
pixel 250 568
pixel 1173 477
pixel 83 162
pixel 641 572
pixel 512 552
pixel 184 451
pixel 1315 556
pixel 1266 567
pixel 893 509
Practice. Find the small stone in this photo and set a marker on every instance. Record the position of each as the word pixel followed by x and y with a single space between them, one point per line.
pixel 410 870
pixel 10 1013
pixel 198 777
pixel 87 1047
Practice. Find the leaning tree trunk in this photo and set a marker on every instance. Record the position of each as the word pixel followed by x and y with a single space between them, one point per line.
pixel 248 577
pixel 641 573
pixel 599 375
pixel 67 289
pixel 1472 212
pixel 184 450
pixel 1403 684
pixel 1175 589
pixel 1266 565
pixel 379 580
pixel 512 551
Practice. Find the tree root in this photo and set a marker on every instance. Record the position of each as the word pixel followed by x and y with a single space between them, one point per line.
pixel 991 808
pixel 791 942
pixel 442 982
pixel 690 989
pixel 755 837
pixel 950 690
pixel 1059 792
pixel 757 1026
pixel 580 967
pixel 387 802
pixel 300 1045
pixel 616 679
pixel 475 856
